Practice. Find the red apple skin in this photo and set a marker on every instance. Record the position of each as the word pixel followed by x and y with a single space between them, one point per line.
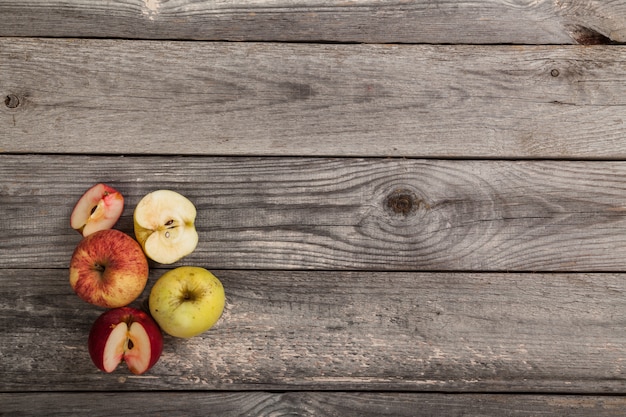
pixel 107 321
pixel 108 269
pixel 99 208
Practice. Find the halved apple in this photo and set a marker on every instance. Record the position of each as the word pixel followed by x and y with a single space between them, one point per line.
pixel 98 209
pixel 125 334
pixel 164 226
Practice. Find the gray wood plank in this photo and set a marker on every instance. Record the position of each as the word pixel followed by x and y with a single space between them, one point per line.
pixel 329 404
pixel 412 21
pixel 316 330
pixel 139 97
pixel 343 213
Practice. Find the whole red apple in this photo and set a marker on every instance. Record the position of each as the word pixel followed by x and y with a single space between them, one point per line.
pixel 125 334
pixel 108 269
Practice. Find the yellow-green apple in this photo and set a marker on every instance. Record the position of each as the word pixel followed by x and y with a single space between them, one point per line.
pixel 98 209
pixel 125 334
pixel 108 269
pixel 164 226
pixel 187 301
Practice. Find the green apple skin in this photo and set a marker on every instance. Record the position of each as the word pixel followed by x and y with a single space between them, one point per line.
pixel 187 301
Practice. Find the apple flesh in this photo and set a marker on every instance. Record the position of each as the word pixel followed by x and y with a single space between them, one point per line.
pixel 164 226
pixel 125 334
pixel 187 301
pixel 98 209
pixel 108 269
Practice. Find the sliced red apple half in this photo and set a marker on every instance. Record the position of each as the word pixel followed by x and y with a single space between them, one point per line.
pixel 125 334
pixel 98 209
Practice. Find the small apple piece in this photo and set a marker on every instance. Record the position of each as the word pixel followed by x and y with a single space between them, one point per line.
pixel 164 226
pixel 108 269
pixel 187 301
pixel 98 209
pixel 125 334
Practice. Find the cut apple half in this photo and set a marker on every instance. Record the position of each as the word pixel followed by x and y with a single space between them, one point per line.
pixel 164 226
pixel 98 209
pixel 125 334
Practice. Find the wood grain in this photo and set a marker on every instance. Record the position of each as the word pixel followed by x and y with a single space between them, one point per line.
pixel 414 206
pixel 338 213
pixel 411 21
pixel 128 97
pixel 316 330
pixel 329 404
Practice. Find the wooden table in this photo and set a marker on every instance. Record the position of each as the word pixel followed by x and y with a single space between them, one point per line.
pixel 416 207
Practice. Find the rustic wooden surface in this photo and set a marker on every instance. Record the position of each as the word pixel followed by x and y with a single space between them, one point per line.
pixel 321 330
pixel 330 404
pixel 137 97
pixel 381 21
pixel 416 207
pixel 340 213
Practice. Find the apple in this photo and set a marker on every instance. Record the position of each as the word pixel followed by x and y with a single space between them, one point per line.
pixel 187 301
pixel 164 226
pixel 108 269
pixel 98 209
pixel 127 334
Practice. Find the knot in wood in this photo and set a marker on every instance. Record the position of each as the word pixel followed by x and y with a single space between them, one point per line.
pixel 402 201
pixel 12 101
pixel 555 72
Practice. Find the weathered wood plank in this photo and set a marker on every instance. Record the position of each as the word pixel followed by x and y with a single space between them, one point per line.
pixel 344 213
pixel 129 97
pixel 341 331
pixel 328 404
pixel 412 21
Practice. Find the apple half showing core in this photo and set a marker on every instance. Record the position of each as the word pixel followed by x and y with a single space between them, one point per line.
pixel 108 269
pixel 125 334
pixel 98 209
pixel 164 226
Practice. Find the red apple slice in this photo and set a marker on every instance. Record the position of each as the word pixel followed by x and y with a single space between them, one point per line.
pixel 125 334
pixel 98 209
